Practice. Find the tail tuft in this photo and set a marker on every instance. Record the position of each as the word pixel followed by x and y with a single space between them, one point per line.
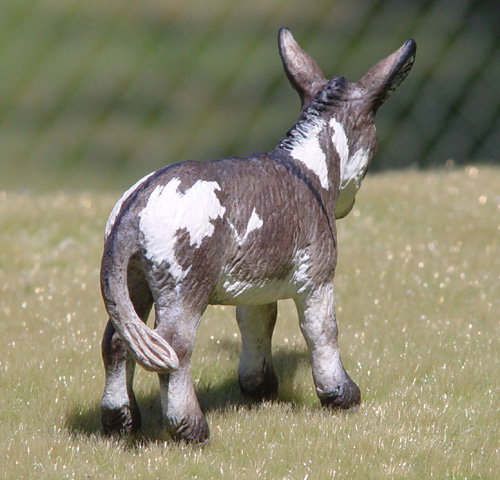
pixel 150 350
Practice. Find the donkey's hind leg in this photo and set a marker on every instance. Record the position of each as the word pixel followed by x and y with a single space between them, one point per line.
pixel 119 410
pixel 181 410
pixel 256 372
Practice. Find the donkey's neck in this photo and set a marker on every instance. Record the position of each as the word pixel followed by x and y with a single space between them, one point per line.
pixel 323 147
pixel 309 143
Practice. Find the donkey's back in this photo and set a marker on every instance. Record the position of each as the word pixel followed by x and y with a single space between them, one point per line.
pixel 235 231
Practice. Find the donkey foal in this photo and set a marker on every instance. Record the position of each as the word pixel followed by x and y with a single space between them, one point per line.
pixel 245 232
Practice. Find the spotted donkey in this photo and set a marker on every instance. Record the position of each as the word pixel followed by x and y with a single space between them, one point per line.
pixel 245 232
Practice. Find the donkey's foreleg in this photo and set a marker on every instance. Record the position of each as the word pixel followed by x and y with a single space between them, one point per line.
pixel 318 324
pixel 181 410
pixel 256 372
pixel 119 411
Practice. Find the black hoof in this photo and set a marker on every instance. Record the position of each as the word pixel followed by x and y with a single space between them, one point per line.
pixel 345 397
pixel 196 432
pixel 265 390
pixel 121 421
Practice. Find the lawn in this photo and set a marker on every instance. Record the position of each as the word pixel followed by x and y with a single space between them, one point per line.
pixel 418 296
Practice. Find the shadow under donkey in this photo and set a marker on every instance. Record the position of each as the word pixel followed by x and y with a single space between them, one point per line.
pixel 212 397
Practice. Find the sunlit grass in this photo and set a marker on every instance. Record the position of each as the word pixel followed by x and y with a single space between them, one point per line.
pixel 418 296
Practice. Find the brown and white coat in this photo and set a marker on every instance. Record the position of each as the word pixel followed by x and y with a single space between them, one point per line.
pixel 245 232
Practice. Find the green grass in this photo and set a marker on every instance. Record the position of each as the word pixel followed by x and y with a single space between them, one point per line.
pixel 418 296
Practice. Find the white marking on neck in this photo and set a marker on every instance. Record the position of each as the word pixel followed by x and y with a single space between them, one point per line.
pixel 341 143
pixel 356 168
pixel 118 206
pixel 352 176
pixel 352 169
pixel 307 150
pixel 169 211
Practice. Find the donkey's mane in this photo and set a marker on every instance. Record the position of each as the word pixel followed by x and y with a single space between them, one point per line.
pixel 329 97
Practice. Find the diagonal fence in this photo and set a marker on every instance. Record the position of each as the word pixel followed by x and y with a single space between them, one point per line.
pixel 96 94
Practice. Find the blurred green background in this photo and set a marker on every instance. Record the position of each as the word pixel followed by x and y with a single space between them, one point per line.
pixel 95 94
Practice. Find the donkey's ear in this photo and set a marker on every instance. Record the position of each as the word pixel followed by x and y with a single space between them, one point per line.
pixel 383 78
pixel 300 68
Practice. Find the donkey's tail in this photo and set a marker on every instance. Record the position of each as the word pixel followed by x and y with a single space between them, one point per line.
pixel 148 348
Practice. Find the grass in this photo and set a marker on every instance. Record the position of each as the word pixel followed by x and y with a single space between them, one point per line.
pixel 418 296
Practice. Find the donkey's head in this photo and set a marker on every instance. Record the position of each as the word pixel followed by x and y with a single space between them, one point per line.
pixel 348 108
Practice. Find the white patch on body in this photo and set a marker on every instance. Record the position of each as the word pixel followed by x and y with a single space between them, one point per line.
pixel 234 291
pixel 235 288
pixel 254 223
pixel 308 151
pixel 258 291
pixel 301 276
pixel 352 169
pixel 118 206
pixel 169 211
